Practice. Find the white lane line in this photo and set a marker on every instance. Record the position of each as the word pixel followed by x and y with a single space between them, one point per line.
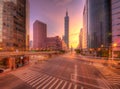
pixel 70 85
pixel 43 83
pixel 59 84
pixel 28 77
pixel 95 86
pixel 35 78
pixel 54 84
pixel 75 87
pixel 64 85
pixel 48 83
pixel 40 81
pixel 32 83
pixel 75 77
pixel 82 87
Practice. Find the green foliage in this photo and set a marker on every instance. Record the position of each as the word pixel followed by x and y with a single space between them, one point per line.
pixel 78 51
pixel 62 51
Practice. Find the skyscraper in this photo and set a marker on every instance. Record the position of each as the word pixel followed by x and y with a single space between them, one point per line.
pixel 99 23
pixel 39 35
pixel 27 24
pixel 81 39
pixel 116 25
pixel 13 24
pixel 85 27
pixel 66 29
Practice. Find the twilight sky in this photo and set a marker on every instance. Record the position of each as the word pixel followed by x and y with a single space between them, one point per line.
pixel 52 12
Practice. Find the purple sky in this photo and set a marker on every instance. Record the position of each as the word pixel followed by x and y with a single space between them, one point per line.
pixel 52 12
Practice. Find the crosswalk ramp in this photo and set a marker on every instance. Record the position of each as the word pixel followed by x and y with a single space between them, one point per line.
pixel 39 80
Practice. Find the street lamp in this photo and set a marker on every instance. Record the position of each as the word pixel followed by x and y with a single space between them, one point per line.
pixel 114 45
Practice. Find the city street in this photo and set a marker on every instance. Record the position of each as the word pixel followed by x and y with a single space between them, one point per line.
pixel 62 72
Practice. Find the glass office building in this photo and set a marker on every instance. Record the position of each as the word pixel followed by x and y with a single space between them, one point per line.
pixel 99 23
pixel 116 24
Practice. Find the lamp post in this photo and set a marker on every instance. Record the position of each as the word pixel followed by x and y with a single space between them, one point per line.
pixel 114 45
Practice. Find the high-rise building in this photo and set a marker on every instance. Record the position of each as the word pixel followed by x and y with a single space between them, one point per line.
pixel 116 25
pixel 85 27
pixel 81 39
pixel 99 23
pixel 13 24
pixel 66 29
pixel 27 24
pixel 39 35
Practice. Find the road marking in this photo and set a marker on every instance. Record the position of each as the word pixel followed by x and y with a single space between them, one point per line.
pixel 40 81
pixel 32 83
pixel 48 83
pixel 75 87
pixel 75 77
pixel 34 78
pixel 28 77
pixel 44 82
pixel 54 83
pixel 91 85
pixel 82 87
pixel 70 85
pixel 59 84
pixel 64 85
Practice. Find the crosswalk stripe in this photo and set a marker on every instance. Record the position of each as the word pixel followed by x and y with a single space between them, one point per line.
pixel 64 85
pixel 70 85
pixel 28 77
pixel 114 81
pixel 37 80
pixel 24 76
pixel 48 83
pixel 40 81
pixel 59 84
pixel 75 87
pixel 44 82
pixel 54 84
pixel 34 78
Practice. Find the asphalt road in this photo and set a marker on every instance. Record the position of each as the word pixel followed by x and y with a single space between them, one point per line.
pixel 62 72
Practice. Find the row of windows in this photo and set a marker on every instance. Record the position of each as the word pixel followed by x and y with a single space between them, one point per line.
pixel 115 8
pixel 116 13
pixel 115 1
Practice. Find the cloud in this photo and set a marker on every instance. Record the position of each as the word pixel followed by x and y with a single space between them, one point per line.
pixel 62 2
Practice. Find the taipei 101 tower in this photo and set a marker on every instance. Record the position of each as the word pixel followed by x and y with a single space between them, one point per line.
pixel 66 29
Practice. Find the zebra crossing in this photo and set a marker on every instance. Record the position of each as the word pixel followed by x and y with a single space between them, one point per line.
pixel 113 79
pixel 110 76
pixel 39 80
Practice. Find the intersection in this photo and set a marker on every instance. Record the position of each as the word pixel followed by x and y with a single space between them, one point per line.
pixel 62 72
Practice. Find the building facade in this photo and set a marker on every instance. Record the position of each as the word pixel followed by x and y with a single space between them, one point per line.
pixel 54 43
pixel 39 35
pixel 85 27
pixel 116 24
pixel 27 24
pixel 81 39
pixel 66 29
pixel 13 25
pixel 99 23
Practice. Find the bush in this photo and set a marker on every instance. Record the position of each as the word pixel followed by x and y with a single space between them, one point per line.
pixel 77 51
